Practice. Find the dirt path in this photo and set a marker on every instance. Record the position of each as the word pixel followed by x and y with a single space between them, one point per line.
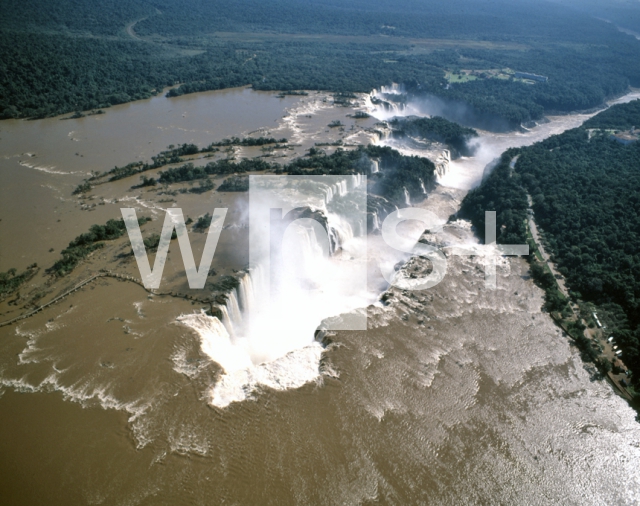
pixel 129 28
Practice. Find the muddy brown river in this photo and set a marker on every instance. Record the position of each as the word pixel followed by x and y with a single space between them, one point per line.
pixel 453 395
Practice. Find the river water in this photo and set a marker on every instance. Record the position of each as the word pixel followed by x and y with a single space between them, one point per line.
pixel 454 395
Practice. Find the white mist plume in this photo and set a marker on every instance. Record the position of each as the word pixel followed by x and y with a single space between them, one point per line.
pixel 266 336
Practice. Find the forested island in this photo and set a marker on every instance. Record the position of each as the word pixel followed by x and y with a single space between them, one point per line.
pixel 585 191
pixel 89 242
pixel 456 137
pixel 398 172
pixel 66 56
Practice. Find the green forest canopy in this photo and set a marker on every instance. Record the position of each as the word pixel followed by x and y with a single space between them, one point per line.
pixel 78 55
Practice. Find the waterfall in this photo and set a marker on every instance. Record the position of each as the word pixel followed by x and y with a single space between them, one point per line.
pixel 375 166
pixel 407 197
pixel 442 163
pixel 385 100
pixel 424 190
pixel 233 313
pixel 394 89
pixel 266 331
pixel 356 180
pixel 241 300
pixel 226 320
pixel 245 292
pixel 393 108
pixel 341 188
pixel 343 232
pixel 328 194
pixel 376 221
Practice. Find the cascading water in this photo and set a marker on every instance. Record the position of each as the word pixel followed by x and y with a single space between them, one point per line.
pixel 424 190
pixel 375 166
pixel 233 307
pixel 246 293
pixel 407 197
pixel 376 221
pixel 226 320
pixel 340 189
pixel 266 336
pixel 442 164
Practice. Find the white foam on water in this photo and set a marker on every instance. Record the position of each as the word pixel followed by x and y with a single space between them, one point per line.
pixel 138 306
pixel 48 170
pixel 84 394
pixel 307 106
pixel 241 376
pixel 152 206
pixel 183 365
pixel 215 342
pixel 294 370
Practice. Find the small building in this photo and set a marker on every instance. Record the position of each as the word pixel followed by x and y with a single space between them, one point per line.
pixel 532 77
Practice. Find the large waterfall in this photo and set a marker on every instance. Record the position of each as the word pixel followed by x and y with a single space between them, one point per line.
pixel 266 336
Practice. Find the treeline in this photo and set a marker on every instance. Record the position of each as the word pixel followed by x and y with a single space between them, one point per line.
pixel 45 74
pixel 88 242
pixel 169 156
pixel 495 21
pixel 398 172
pixel 587 60
pixel 174 155
pixel 625 14
pixel 10 281
pixel 235 184
pixel 189 172
pixel 438 129
pixel 57 58
pixel 617 117
pixel 586 199
pixel 98 17
pixel 249 141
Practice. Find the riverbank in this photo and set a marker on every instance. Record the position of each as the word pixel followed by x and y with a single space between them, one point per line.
pixel 454 378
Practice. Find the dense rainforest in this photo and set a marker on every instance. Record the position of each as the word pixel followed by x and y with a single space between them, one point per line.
pixel 83 54
pixel 623 13
pixel 585 188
